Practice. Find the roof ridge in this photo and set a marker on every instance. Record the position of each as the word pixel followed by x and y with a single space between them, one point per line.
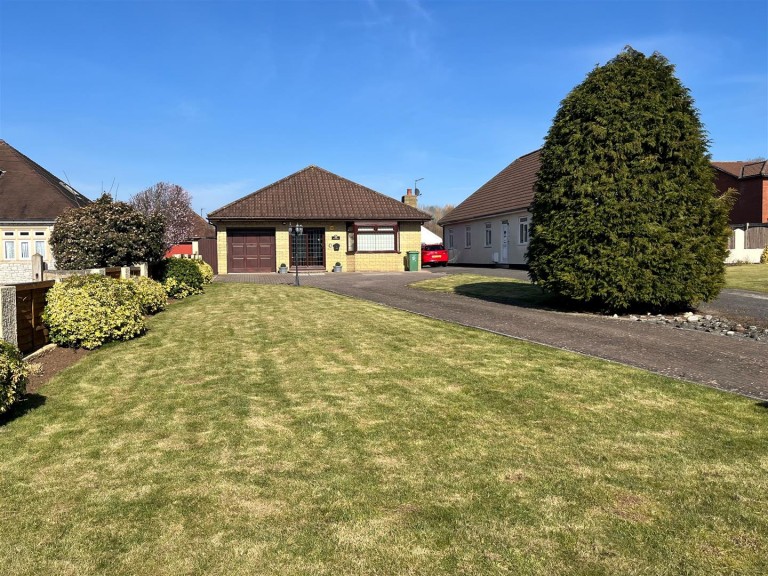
pixel 262 189
pixel 64 189
pixel 305 169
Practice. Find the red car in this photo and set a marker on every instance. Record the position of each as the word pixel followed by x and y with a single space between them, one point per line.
pixel 433 255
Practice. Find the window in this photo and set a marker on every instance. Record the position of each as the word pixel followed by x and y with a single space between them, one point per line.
pixel 24 249
pixel 39 233
pixel 373 237
pixel 8 234
pixel 523 237
pixel 23 233
pixel 9 250
pixel 40 247
pixel 468 237
pixel 487 234
pixel 450 238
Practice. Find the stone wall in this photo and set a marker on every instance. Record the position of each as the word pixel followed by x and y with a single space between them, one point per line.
pixel 15 272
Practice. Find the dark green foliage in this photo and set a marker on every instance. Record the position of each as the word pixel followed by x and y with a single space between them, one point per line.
pixel 626 214
pixel 181 277
pixel 106 233
pixel 13 375
pixel 87 311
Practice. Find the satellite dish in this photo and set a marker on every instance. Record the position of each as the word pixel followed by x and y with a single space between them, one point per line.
pixel 417 192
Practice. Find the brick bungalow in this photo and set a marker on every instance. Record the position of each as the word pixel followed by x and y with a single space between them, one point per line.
pixel 343 222
pixel 31 198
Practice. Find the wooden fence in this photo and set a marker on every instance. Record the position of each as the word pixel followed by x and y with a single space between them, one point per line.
pixel 22 305
pixel 755 236
pixel 31 333
pixel 208 252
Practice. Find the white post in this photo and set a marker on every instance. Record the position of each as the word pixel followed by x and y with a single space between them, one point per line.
pixel 125 272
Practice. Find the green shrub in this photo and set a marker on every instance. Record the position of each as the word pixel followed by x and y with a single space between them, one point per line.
pixel 181 277
pixel 87 311
pixel 764 256
pixel 205 270
pixel 13 375
pixel 626 214
pixel 106 233
pixel 151 295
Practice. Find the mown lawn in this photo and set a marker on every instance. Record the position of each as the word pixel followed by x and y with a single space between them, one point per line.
pixel 283 430
pixel 752 277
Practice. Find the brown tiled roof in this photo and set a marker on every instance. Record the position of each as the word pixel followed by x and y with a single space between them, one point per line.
pixel 743 169
pixel 201 228
pixel 510 190
pixel 29 193
pixel 316 194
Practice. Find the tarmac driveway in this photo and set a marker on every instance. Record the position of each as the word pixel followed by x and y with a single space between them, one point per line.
pixel 733 364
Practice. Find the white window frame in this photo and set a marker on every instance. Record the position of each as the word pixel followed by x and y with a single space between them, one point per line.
pixel 38 245
pixel 523 230
pixel 488 234
pixel 6 245
pixel 450 238
pixel 24 244
pixel 468 237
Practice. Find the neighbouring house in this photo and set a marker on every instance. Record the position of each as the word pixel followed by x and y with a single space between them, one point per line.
pixel 749 214
pixel 491 227
pixel 31 198
pixel 342 221
pixel 201 241
pixel 750 180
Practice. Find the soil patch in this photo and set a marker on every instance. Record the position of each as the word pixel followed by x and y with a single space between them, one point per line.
pixel 46 364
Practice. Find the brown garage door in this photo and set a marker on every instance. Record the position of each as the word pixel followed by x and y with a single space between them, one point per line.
pixel 251 250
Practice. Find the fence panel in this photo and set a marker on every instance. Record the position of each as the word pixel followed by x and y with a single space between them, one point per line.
pixel 209 253
pixel 30 303
pixel 756 237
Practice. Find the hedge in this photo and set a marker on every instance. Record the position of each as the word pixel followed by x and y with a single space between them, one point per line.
pixel 13 375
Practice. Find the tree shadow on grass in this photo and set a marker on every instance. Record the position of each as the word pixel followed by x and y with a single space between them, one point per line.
pixel 517 294
pixel 27 404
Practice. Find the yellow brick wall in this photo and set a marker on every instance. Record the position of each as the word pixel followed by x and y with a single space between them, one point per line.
pixel 410 239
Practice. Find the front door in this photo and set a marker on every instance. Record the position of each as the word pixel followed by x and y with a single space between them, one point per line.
pixel 504 242
pixel 308 250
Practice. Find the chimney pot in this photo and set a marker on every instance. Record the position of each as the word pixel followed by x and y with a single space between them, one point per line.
pixel 408 191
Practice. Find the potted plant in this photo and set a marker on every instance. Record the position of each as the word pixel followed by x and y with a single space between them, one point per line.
pixel 283 269
pixel 337 267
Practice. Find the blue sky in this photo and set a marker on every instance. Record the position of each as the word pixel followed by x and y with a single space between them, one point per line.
pixel 226 97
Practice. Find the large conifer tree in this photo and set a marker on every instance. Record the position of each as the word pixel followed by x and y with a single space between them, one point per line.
pixel 626 213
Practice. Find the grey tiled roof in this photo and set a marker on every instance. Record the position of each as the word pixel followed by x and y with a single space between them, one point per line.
pixel 317 194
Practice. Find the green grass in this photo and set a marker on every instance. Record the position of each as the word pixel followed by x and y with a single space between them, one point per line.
pixel 495 289
pixel 752 277
pixel 283 430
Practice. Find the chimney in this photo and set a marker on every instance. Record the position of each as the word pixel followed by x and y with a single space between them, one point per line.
pixel 410 199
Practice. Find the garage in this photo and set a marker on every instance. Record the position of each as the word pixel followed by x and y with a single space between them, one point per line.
pixel 251 250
